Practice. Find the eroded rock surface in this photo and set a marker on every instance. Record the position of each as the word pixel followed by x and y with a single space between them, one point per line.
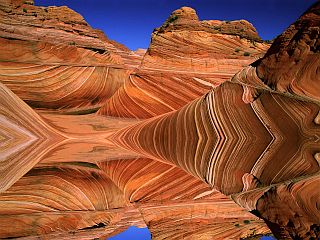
pixel 185 59
pixel 52 59
pixel 257 144
pixel 218 156
pixel 291 65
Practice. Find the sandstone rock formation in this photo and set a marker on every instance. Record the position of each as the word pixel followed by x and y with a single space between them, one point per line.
pixel 242 138
pixel 236 147
pixel 217 156
pixel 25 138
pixel 291 64
pixel 80 195
pixel 185 59
pixel 256 144
pixel 51 58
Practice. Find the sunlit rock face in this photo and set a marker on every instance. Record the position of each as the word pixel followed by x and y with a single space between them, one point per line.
pixel 256 144
pixel 185 59
pixel 25 138
pixel 185 43
pixel 219 154
pixel 176 205
pixel 238 147
pixel 52 59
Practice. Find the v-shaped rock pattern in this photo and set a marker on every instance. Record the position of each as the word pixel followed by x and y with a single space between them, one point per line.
pixel 250 146
pixel 219 138
pixel 25 138
pixel 233 144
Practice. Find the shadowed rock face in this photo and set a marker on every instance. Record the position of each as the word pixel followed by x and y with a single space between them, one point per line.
pixel 217 157
pixel 291 65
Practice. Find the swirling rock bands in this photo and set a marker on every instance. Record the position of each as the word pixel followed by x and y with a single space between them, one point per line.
pixel 68 88
pixel 220 129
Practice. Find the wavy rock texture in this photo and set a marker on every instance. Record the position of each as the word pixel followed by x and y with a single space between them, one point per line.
pixel 176 205
pixel 185 43
pixel 291 65
pixel 185 59
pixel 67 196
pixel 60 200
pixel 70 225
pixel 86 139
pixel 232 144
pixel 66 88
pixel 291 205
pixel 51 58
pixel 25 138
pixel 201 220
pixel 214 159
pixel 147 180
pixel 264 136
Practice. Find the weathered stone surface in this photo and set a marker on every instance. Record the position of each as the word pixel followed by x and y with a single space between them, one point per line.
pixel 20 20
pixel 292 205
pixel 186 58
pixel 291 65
pixel 51 58
pixel 44 86
pixel 176 205
pixel 214 159
pixel 200 220
pixel 236 146
pixel 219 138
pixel 25 138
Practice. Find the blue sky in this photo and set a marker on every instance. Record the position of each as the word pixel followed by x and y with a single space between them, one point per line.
pixel 267 238
pixel 131 22
pixel 133 233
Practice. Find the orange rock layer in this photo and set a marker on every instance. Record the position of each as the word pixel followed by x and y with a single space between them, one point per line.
pixel 291 64
pixel 217 156
pixel 185 59
pixel 51 58
pixel 236 145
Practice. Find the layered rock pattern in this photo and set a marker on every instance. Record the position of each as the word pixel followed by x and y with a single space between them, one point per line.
pixel 224 134
pixel 176 205
pixel 237 145
pixel 291 65
pixel 217 157
pixel 185 59
pixel 252 139
pixel 59 200
pixel 66 88
pixel 290 208
pixel 52 59
pixel 25 138
pixel 200 220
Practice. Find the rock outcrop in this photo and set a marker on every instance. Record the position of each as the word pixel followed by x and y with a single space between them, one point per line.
pixel 291 65
pixel 52 59
pixel 185 59
pixel 180 144
pixel 176 205
pixel 257 144
pixel 236 146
